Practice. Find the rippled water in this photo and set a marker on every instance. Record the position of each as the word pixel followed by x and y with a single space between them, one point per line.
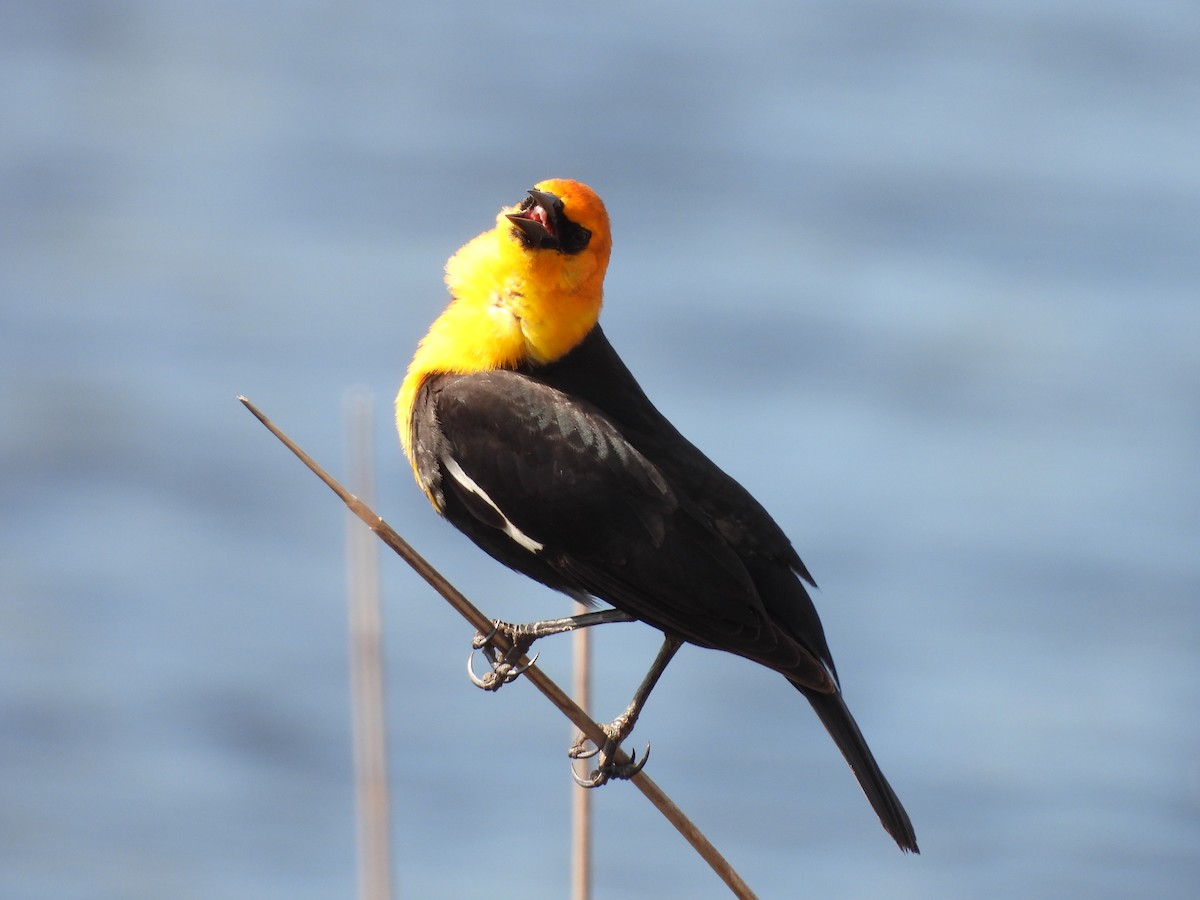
pixel 925 279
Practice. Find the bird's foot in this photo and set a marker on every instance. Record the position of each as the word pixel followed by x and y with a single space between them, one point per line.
pixel 504 664
pixel 608 767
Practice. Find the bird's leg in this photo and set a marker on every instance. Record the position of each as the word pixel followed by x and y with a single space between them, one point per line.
pixel 620 727
pixel 505 663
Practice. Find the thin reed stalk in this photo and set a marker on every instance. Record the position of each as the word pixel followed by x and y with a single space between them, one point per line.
pixel 372 809
pixel 581 797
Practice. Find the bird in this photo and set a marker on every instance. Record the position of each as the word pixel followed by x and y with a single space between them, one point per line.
pixel 528 433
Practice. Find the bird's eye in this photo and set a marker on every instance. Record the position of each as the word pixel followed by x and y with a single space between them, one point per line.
pixel 575 239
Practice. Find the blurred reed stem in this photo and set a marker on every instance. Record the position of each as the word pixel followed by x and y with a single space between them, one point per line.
pixel 372 809
pixel 581 798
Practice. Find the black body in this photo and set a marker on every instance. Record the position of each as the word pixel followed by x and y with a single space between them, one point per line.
pixel 625 509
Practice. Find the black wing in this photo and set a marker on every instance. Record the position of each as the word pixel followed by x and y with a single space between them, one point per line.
pixel 594 372
pixel 548 485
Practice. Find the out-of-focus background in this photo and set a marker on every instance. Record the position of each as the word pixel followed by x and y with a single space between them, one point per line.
pixel 925 277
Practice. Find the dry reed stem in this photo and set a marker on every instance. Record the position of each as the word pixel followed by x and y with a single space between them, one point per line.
pixel 581 797
pixel 372 809
pixel 535 676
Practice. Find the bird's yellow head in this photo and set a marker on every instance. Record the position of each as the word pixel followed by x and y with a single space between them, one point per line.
pixel 533 284
pixel 527 292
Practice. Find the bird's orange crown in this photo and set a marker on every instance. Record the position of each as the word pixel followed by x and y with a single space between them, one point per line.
pixel 527 291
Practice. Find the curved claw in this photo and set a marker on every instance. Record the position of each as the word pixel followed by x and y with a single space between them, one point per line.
pixel 481 640
pixel 590 782
pixel 521 670
pixel 475 679
pixel 607 771
pixel 579 750
pixel 634 766
pixel 501 672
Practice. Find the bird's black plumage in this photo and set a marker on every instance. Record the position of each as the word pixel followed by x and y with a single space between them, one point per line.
pixel 568 474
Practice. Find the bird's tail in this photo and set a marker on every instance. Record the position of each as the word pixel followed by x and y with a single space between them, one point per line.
pixel 831 708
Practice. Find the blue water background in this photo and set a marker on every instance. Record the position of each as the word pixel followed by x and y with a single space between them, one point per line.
pixel 925 277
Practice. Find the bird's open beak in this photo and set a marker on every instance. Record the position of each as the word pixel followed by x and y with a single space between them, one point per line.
pixel 538 219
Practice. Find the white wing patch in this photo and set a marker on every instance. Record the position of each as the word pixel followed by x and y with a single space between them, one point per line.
pixel 457 473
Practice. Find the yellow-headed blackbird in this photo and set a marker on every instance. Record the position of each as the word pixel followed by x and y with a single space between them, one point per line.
pixel 527 431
